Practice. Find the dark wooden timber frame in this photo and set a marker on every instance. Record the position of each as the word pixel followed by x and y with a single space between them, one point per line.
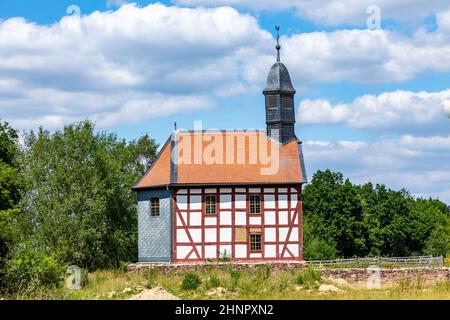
pixel 197 250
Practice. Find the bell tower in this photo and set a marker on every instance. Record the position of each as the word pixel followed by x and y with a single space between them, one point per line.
pixel 279 99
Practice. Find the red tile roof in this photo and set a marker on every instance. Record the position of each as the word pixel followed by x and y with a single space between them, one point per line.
pixel 224 157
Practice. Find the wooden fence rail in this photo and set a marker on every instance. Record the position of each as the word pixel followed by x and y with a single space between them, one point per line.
pixel 395 261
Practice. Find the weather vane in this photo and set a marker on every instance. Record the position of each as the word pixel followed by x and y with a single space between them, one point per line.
pixel 278 43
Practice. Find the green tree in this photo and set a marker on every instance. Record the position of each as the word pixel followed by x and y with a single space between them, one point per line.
pixel 334 215
pixel 346 220
pixel 144 150
pixel 79 206
pixel 438 243
pixel 9 189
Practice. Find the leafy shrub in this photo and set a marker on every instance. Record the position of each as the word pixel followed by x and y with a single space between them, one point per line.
pixel 191 281
pixel 31 266
pixel 264 272
pixel 318 249
pixel 447 262
pixel 308 275
pixel 224 256
pixel 151 275
pixel 235 275
pixel 213 281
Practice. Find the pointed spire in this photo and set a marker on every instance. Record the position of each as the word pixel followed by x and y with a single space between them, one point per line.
pixel 278 43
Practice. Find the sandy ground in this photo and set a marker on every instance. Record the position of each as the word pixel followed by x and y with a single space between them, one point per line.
pixel 157 293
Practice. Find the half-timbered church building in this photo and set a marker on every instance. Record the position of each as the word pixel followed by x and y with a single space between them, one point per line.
pixel 234 195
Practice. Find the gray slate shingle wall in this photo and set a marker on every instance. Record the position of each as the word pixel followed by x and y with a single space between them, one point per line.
pixel 154 233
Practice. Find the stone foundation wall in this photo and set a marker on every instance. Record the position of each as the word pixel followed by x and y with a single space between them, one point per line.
pixel 389 277
pixel 353 276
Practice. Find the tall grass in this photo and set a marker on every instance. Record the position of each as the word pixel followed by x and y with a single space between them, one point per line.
pixel 258 284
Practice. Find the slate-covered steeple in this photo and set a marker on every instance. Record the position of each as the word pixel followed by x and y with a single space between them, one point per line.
pixel 279 94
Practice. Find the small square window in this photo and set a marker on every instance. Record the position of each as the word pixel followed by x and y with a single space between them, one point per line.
pixel 210 204
pixel 255 204
pixel 255 242
pixel 154 207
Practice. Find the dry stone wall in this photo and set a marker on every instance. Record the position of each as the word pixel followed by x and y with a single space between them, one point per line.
pixel 357 277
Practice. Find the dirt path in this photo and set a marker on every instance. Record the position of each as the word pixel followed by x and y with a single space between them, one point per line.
pixel 157 293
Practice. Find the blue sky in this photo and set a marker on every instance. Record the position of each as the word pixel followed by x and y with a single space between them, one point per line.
pixel 373 104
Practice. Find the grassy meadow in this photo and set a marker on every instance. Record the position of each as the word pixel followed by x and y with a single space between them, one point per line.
pixel 212 283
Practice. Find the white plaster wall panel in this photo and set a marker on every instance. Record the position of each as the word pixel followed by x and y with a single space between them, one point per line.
pixel 293 200
pixel 240 190
pixel 269 218
pixel 225 234
pixel 270 251
pixel 270 234
pixel 225 201
pixel 269 201
pixel 296 217
pixel 282 190
pixel 240 251
pixel 293 248
pixel 280 249
pixel 194 255
pixel 210 221
pixel 283 217
pixel 182 191
pixel 211 235
pixel 225 251
pixel 195 219
pixel 182 236
pixel 225 190
pixel 196 191
pixel 225 218
pixel 210 190
pixel 255 221
pixel 210 252
pixel 196 202
pixel 282 233
pixel 282 201
pixel 184 216
pixel 269 190
pixel 254 190
pixel 294 235
pixel 183 251
pixel 196 235
pixel 240 218
pixel 182 202
pixel 255 255
pixel 240 202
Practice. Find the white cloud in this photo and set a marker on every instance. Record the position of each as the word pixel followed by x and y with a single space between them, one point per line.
pixel 419 164
pixel 398 111
pixel 338 12
pixel 153 61
pixel 94 65
pixel 367 56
